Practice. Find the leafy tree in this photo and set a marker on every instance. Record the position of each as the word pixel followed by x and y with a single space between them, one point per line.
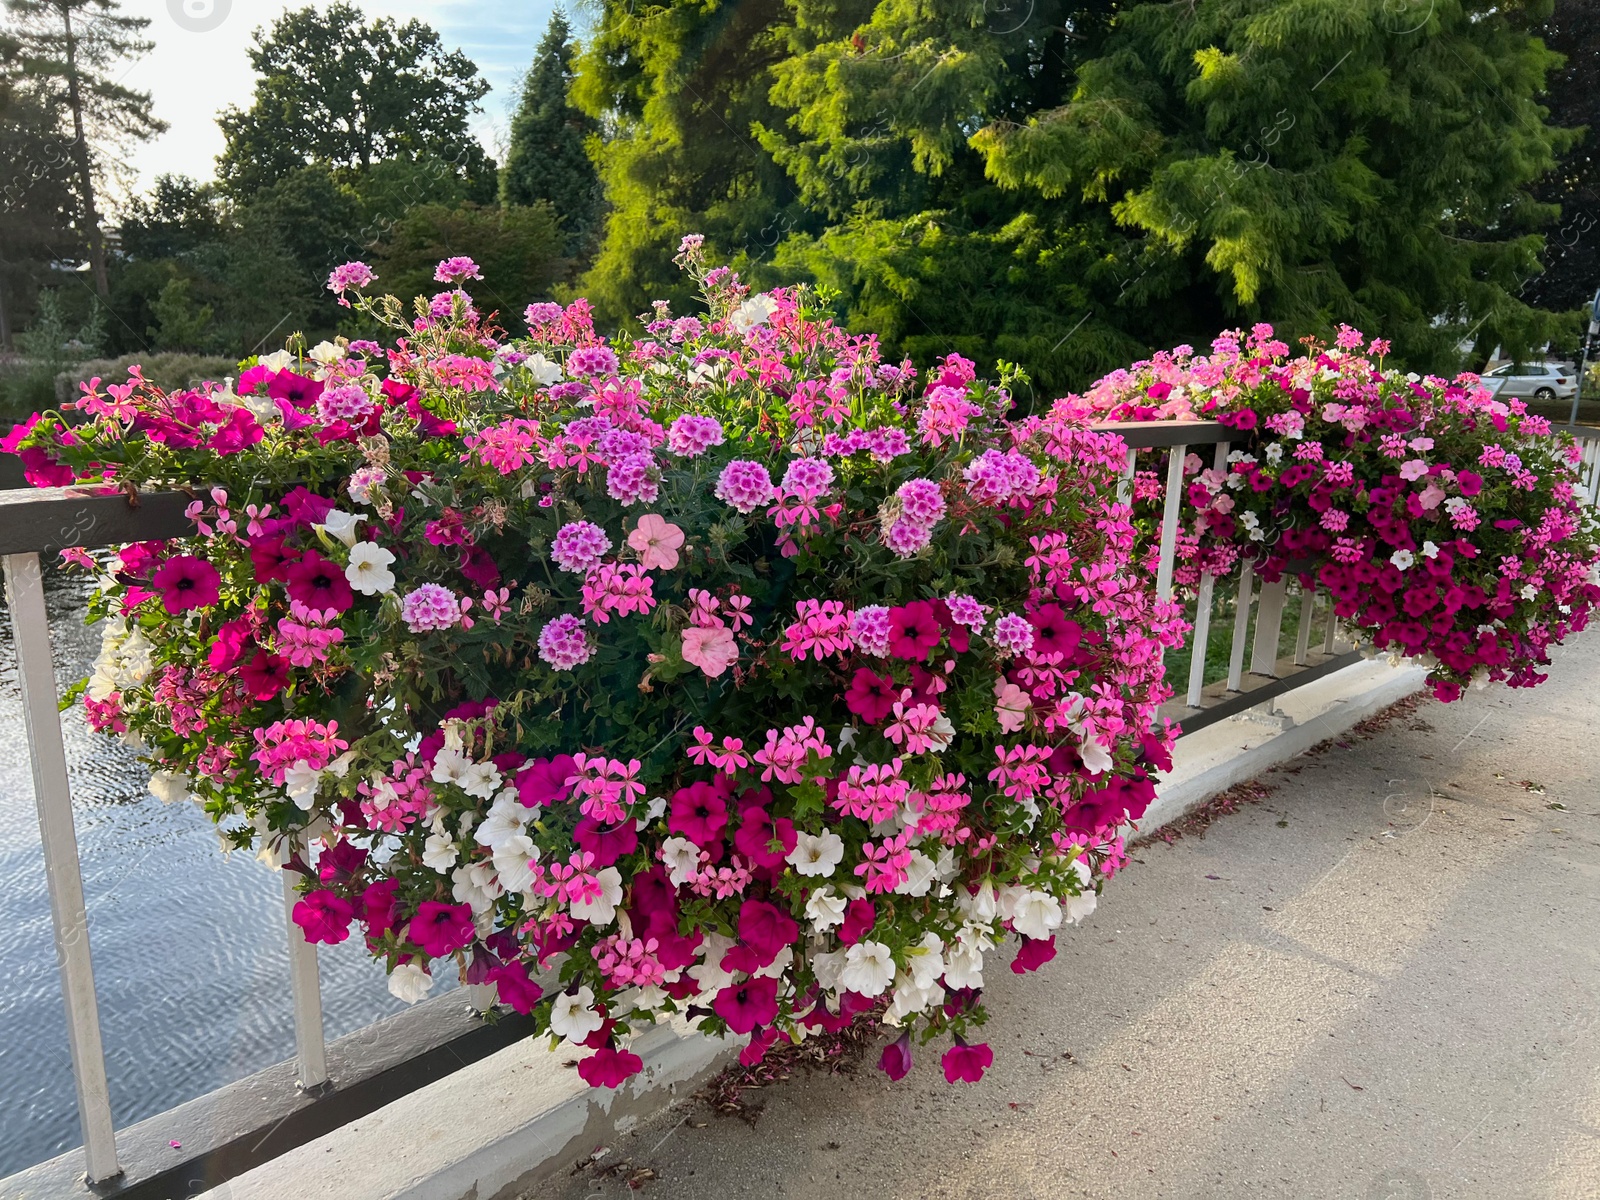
pixel 1572 249
pixel 174 220
pixel 337 90
pixel 1318 161
pixel 72 47
pixel 546 159
pixel 181 324
pixel 518 250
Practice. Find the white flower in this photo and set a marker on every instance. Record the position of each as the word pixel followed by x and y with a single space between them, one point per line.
pixel 780 964
pixel 681 857
pixel 1403 559
pixel 708 973
pixel 439 852
pixel 1274 452
pixel 757 310
pixel 927 961
pixel 409 982
pixel 652 813
pixel 325 353
pixel 1430 550
pixel 277 360
pixel 825 910
pixel 828 967
pixel 602 908
pixel 1528 591
pixel 868 969
pixel 450 764
pixel 963 966
pixel 573 1016
pixel 475 885
pixel 343 525
pixel 543 370
pixel 169 787
pixel 368 569
pixel 300 783
pixel 1079 907
pixel 644 999
pixel 1096 758
pixel 940 734
pixel 513 862
pixel 982 905
pixel 816 854
pixel 1036 915
pixel 910 999
pixel 919 876
pixel 481 779
pixel 506 819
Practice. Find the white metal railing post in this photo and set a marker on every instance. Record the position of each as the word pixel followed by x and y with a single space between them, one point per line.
pixel 1125 483
pixel 1202 611
pixel 58 839
pixel 1302 640
pixel 1241 626
pixel 1169 522
pixel 305 982
pixel 1269 626
pixel 1333 628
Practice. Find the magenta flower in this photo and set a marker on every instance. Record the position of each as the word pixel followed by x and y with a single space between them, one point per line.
pixel 544 781
pixel 441 929
pixel 592 360
pixel 348 402
pixel 691 435
pixel 609 1067
pixel 896 1059
pixel 515 989
pixel 966 1064
pixel 319 584
pixel 765 929
pixel 921 502
pixel 746 1005
pixel 324 916
pixel 265 675
pixel 187 582
pixel 871 696
pixel 745 485
pixel 914 630
pixel 1033 954
pixel 698 812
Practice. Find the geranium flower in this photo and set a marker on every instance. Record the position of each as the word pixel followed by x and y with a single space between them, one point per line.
pixel 657 541
pixel 712 650
pixel 187 582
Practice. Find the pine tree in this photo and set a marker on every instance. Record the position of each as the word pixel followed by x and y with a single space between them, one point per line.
pixel 70 47
pixel 546 158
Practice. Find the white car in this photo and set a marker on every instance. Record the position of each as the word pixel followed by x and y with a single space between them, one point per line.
pixel 1533 381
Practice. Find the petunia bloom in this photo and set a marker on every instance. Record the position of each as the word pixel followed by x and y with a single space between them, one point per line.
pixel 712 650
pixel 966 1064
pixel 187 582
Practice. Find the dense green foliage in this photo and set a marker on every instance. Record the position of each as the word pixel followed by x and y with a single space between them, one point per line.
pixel 1060 182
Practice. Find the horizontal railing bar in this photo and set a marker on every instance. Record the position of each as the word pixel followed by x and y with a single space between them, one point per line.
pixel 1150 435
pixel 1272 688
pixel 44 520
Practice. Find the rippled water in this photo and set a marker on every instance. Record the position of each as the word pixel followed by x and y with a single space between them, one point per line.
pixel 189 948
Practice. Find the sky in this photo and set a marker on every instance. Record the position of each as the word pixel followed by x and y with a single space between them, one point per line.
pixel 200 65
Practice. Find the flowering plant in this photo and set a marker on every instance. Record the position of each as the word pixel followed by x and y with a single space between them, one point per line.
pixel 727 671
pixel 1444 522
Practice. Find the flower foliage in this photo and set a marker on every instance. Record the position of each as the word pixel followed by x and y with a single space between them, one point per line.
pixel 729 671
pixel 1444 523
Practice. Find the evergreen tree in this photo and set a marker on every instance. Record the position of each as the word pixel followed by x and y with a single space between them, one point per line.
pixel 1572 249
pixel 546 159
pixel 71 47
pixel 336 90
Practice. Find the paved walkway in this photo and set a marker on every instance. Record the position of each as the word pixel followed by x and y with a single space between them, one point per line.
pixel 1382 981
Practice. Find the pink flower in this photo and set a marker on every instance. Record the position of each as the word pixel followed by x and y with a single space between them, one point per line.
pixel 1011 706
pixel 453 270
pixel 896 1059
pixel 1033 954
pixel 430 606
pixel 871 696
pixel 350 275
pixel 187 582
pixel 657 541
pixel 579 545
pixel 319 584
pixel 712 650
pixel 699 813
pixel 966 1064
pixel 691 436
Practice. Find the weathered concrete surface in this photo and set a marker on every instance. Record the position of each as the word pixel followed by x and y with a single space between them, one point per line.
pixel 1382 981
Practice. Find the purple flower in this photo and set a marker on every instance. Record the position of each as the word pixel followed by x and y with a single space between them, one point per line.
pixel 579 545
pixel 921 502
pixel 869 630
pixel 1013 633
pixel 896 1059
pixel 563 643
pixel 592 360
pixel 807 478
pixel 542 314
pixel 691 436
pixel 453 270
pixel 351 275
pixel 634 479
pixel 745 485
pixel 430 607
pixel 444 304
